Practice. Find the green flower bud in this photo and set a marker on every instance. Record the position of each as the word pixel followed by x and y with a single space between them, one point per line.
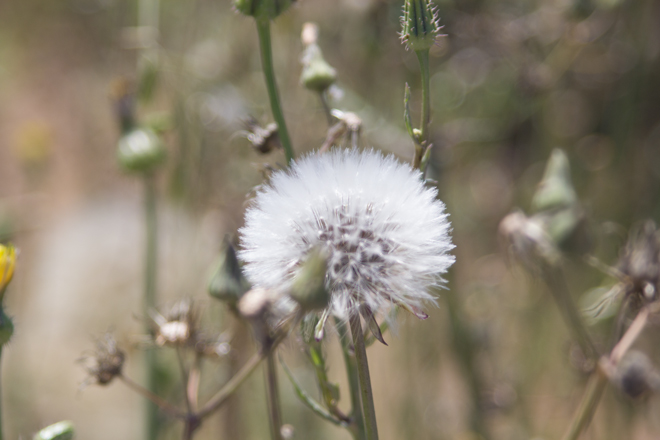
pixel 556 189
pixel 317 75
pixel 6 327
pixel 308 288
pixel 228 283
pixel 140 150
pixel 262 9
pixel 420 24
pixel 58 431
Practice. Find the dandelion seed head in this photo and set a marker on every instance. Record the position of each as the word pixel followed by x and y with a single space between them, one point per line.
pixel 385 233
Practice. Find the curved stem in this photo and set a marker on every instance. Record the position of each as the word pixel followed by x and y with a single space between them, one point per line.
pixel 366 394
pixel 263 28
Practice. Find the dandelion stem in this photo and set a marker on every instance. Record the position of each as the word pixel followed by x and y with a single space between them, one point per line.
pixel 263 28
pixel 149 300
pixel 366 395
pixel 357 421
pixel 273 397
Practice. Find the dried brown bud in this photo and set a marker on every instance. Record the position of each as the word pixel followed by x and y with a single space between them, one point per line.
pixel 179 327
pixel 106 362
pixel 635 375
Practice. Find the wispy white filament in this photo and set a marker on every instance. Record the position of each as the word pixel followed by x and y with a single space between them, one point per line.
pixel 386 234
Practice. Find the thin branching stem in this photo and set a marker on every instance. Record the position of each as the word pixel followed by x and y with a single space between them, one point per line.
pixel 357 421
pixel 263 28
pixel 366 394
pixel 600 376
pixel 186 378
pixel 158 401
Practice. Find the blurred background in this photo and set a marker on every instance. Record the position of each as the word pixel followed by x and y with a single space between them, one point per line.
pixel 511 80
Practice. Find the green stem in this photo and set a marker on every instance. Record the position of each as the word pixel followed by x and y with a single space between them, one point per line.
pixel 326 109
pixel 263 28
pixel 588 406
pixel 273 396
pixel 149 300
pixel 357 421
pixel 423 57
pixel 366 395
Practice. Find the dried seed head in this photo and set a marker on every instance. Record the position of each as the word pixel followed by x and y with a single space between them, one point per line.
pixel 640 262
pixel 58 431
pixel 262 9
pixel 420 24
pixel 527 240
pixel 106 362
pixel 179 327
pixel 263 140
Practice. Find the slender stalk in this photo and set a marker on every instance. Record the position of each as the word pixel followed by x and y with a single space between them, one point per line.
pixel 366 395
pixel 149 300
pixel 157 401
pixel 263 28
pixel 423 57
pixel 357 421
pixel 228 389
pixel 326 108
pixel 599 378
pixel 273 397
pixel 186 379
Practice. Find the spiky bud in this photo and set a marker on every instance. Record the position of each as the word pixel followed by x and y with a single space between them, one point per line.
pixel 228 283
pixel 262 9
pixel 58 431
pixel 308 288
pixel 420 24
pixel 140 150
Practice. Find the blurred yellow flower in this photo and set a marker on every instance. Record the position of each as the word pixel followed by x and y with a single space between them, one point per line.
pixel 7 264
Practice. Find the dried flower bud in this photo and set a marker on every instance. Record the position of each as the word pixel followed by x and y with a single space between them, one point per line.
pixel 308 288
pixel 263 140
pixel 635 375
pixel 58 431
pixel 262 9
pixel 420 24
pixel 7 266
pixel 106 362
pixel 528 240
pixel 556 189
pixel 641 262
pixel 228 283
pixel 140 150
pixel 179 326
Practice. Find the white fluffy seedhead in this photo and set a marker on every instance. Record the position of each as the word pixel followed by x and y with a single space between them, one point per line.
pixel 386 234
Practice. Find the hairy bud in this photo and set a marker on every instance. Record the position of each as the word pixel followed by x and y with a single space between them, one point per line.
pixel 420 24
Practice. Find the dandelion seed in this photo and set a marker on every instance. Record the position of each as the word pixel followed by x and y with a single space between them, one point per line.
pixel 385 233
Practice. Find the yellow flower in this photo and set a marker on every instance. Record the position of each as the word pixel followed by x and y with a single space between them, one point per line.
pixel 7 264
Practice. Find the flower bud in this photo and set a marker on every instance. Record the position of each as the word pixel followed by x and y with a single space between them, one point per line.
pixel 7 265
pixel 635 375
pixel 57 431
pixel 556 189
pixel 317 75
pixel 262 9
pixel 308 288
pixel 6 327
pixel 228 283
pixel 420 24
pixel 140 150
